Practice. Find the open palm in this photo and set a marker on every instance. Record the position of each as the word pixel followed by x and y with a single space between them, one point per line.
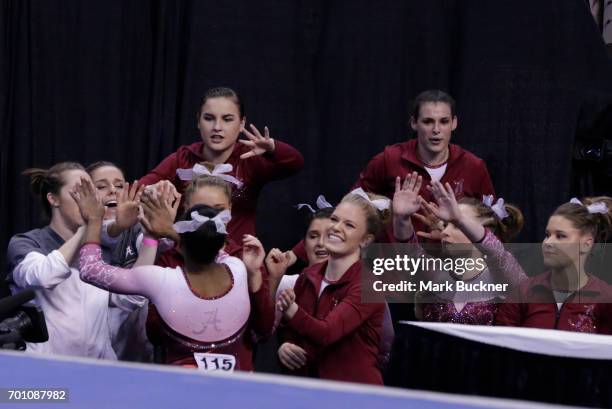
pixel 406 200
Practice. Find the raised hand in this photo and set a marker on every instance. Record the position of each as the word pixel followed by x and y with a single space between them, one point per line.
pixel 292 356
pixel 128 202
pixel 433 223
pixel 158 213
pixel 446 208
pixel 277 263
pixel 257 143
pixel 253 253
pixel 406 200
pixel 90 206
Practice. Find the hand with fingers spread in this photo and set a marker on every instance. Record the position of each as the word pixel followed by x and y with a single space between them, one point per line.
pixel 406 200
pixel 90 206
pixel 257 143
pixel 446 207
pixel 434 224
pixel 128 202
pixel 292 356
pixel 158 214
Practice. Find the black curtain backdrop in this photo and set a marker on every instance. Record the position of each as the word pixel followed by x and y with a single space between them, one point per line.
pixel 122 81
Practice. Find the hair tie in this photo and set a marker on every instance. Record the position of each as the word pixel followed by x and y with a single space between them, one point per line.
pixel 321 203
pixel 197 220
pixel 219 171
pixel 380 204
pixel 498 208
pixel 597 207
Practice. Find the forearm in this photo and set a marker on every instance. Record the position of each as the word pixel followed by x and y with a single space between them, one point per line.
pixel 38 270
pixel 472 229
pixel 92 231
pixel 255 280
pixel 402 227
pixel 71 246
pixel 147 252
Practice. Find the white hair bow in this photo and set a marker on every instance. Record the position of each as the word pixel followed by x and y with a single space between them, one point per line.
pixel 380 204
pixel 219 171
pixel 322 203
pixel 597 207
pixel 498 208
pixel 197 220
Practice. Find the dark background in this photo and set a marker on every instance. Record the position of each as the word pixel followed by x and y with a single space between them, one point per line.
pixel 122 80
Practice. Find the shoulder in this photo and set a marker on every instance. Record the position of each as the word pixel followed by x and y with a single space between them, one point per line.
pixel 234 263
pixel 466 157
pixel 34 238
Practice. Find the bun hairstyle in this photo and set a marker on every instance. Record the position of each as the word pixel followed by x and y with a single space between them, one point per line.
pixel 375 219
pixel 597 224
pixel 202 245
pixel 505 229
pixel 100 164
pixel 44 181
pixel 223 92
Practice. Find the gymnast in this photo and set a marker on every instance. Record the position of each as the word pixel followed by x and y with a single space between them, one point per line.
pixel 204 306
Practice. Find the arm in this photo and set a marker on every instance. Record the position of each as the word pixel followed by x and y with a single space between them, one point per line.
pixel 92 268
pixel 345 318
pixel 139 280
pixel 262 313
pixel 34 269
pixel 500 261
pixel 166 170
pixel 283 162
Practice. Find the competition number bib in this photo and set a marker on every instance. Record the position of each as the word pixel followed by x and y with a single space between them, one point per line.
pixel 215 362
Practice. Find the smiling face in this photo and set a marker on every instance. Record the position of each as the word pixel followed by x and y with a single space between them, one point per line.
pixel 109 182
pixel 564 245
pixel 220 124
pixel 347 232
pixel 314 242
pixel 433 128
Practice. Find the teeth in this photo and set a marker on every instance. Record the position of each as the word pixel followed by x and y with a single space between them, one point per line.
pixel 333 237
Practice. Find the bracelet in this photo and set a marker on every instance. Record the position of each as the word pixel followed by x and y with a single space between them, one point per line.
pixel 147 241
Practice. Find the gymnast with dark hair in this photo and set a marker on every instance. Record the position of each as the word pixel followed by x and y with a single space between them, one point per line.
pixel 204 307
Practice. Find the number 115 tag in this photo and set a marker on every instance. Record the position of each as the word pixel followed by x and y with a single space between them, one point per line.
pixel 215 362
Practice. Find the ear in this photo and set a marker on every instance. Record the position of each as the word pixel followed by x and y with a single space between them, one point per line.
pixel 413 123
pixel 242 123
pixel 53 201
pixel 586 244
pixel 366 241
pixel 454 123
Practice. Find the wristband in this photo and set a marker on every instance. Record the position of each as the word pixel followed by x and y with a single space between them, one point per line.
pixel 147 241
